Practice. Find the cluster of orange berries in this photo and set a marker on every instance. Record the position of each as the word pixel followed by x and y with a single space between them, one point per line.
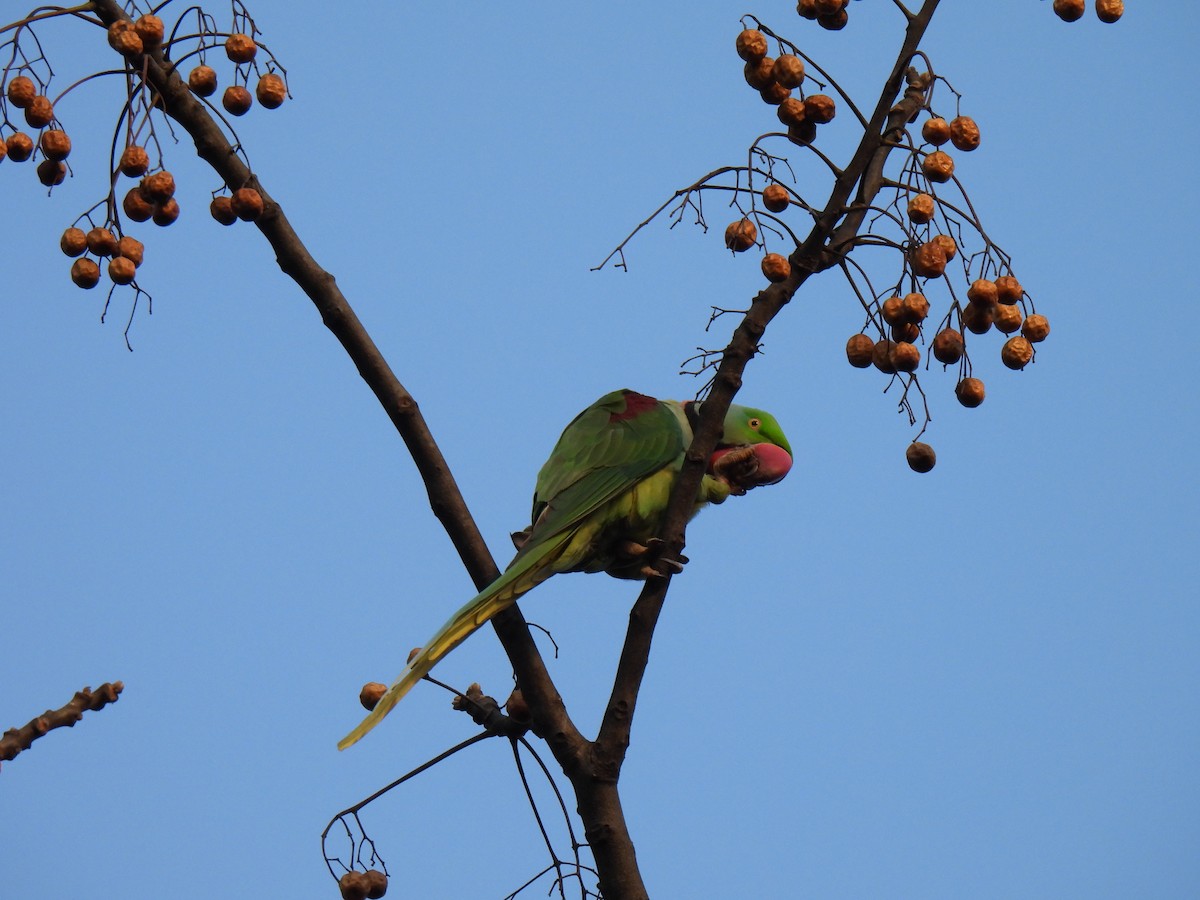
pixel 990 303
pixel 240 49
pixel 54 143
pixel 153 197
pixel 775 79
pixel 829 14
pixel 368 885
pixel 124 255
pixel 1073 10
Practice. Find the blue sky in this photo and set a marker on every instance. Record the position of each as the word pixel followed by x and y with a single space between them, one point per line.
pixel 980 682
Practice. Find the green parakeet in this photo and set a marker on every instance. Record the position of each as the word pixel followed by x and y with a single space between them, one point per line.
pixel 599 502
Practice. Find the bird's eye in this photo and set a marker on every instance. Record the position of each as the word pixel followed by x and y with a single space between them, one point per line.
pixel 755 424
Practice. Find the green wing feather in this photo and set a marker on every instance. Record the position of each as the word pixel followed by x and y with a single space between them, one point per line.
pixel 617 442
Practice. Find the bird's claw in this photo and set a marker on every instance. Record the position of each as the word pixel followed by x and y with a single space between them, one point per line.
pixel 650 559
pixel 737 468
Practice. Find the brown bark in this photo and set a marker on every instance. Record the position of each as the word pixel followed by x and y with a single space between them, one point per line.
pixel 16 740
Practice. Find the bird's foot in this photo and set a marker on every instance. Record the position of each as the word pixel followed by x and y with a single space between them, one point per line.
pixel 650 560
pixel 737 468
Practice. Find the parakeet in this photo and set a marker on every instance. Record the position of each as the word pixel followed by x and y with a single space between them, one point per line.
pixel 599 503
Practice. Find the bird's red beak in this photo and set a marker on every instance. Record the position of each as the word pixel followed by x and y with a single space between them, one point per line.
pixel 773 463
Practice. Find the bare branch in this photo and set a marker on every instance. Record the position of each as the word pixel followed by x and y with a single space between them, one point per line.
pixel 16 740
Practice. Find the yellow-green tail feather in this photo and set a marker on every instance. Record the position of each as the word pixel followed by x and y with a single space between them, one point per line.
pixel 527 572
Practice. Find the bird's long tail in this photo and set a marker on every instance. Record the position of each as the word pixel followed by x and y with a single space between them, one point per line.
pixel 527 571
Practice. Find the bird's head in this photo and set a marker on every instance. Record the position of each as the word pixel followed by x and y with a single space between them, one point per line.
pixel 752 450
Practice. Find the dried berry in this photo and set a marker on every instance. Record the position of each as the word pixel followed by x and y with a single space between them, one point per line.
pixel 921 457
pixel 936 131
pixel 905 357
pixel 1069 10
pixel 947 244
pixel 40 112
pixel 376 883
pixel 150 29
pixel 51 172
pixel 859 350
pixel 776 198
pixel 948 346
pixel 907 332
pixel 881 357
pixel 101 242
pixel 1109 10
pixel 271 91
pixel 835 22
pixel 803 134
pixel 123 38
pixel 920 209
pixel 929 260
pixel 938 166
pixel 964 133
pixel 85 273
pixel 807 9
pixel 977 317
pixel 819 108
pixel 791 111
pixel 159 187
pixel 830 7
pixel 1007 318
pixel 740 235
pixel 970 392
pixel 132 249
pixel 983 292
pixel 237 100
pixel 134 161
pixel 760 74
pixel 165 213
pixel 774 93
pixel 240 48
pixel 892 310
pixel 776 267
pixel 221 209
pixel 1008 289
pixel 353 886
pixel 21 91
pixel 1036 328
pixel 789 70
pixel 372 692
pixel 73 241
pixel 916 307
pixel 121 270
pixel 55 144
pixel 1016 352
pixel 751 45
pixel 202 81
pixel 247 204
pixel 137 207
pixel 19 146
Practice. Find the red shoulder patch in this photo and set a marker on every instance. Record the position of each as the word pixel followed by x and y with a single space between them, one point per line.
pixel 635 405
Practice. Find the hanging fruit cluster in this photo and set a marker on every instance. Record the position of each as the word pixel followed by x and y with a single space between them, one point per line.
pixel 369 885
pixel 980 293
pixel 831 15
pixel 98 237
pixel 1073 10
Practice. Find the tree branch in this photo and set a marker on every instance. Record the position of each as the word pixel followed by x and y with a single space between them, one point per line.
pixel 320 287
pixel 818 252
pixel 15 740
